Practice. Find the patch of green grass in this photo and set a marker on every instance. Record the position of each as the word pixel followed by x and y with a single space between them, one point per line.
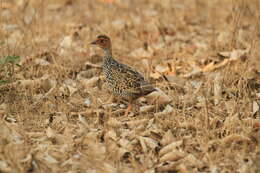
pixel 9 59
pixel 7 64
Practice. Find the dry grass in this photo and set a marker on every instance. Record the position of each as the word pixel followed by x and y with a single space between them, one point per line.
pixel 52 120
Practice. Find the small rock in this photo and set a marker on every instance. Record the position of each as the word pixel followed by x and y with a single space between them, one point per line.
pixel 41 62
pixel 122 106
pixel 87 102
pixel 162 69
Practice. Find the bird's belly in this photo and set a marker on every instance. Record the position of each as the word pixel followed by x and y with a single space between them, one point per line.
pixel 117 86
pixel 115 89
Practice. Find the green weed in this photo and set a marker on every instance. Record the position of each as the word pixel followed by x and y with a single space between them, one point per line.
pixel 7 64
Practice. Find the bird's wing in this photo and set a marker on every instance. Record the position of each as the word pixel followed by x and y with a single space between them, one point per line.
pixel 130 80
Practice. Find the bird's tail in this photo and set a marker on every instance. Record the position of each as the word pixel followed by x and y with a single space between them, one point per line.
pixel 147 89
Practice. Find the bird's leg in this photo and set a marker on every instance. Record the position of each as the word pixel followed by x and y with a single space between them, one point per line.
pixel 128 109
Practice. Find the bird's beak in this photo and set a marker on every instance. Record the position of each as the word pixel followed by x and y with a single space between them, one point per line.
pixel 93 43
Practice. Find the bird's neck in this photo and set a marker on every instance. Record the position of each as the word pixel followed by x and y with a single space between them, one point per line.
pixel 108 53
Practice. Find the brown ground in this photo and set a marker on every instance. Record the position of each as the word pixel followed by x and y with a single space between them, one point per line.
pixel 204 55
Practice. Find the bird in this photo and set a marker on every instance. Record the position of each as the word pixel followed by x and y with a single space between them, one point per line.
pixel 122 80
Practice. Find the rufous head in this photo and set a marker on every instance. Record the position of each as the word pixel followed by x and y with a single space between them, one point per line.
pixel 102 41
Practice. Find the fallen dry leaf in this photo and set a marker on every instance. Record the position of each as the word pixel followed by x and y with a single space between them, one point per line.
pixel 135 123
pixel 172 156
pixel 167 110
pixel 56 115
pixel 88 83
pixel 158 97
pixel 66 42
pixel 170 147
pixel 4 166
pixel 182 168
pixel 167 138
pixel 255 108
pixel 235 138
pixel 147 108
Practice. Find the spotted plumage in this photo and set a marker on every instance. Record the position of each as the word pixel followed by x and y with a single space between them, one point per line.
pixel 122 80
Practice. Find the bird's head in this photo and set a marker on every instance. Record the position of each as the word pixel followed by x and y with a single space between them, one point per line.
pixel 102 41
